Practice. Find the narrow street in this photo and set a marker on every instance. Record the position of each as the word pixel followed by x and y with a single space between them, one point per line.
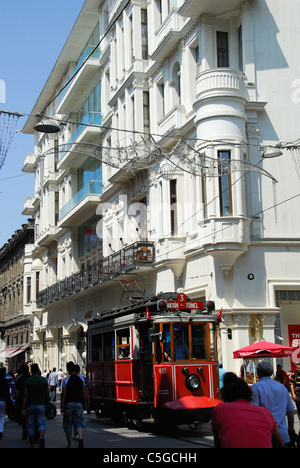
pixel 101 433
pixel 117 440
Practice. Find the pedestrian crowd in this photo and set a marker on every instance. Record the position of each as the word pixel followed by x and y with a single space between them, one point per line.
pixel 29 394
pixel 260 416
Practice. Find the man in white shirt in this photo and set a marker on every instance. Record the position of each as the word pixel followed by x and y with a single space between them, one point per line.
pixel 53 383
pixel 60 378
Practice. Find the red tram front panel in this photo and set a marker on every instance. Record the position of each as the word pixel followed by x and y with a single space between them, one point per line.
pixel 170 381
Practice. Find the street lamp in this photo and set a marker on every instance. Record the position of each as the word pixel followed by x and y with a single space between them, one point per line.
pixel 46 125
pixel 167 170
pixel 271 153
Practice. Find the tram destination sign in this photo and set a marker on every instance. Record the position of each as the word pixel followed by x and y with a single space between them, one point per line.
pixel 182 303
pixel 186 305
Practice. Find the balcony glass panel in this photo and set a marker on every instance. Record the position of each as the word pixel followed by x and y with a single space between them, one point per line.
pixel 87 51
pixel 92 188
pixel 89 114
pixel 88 240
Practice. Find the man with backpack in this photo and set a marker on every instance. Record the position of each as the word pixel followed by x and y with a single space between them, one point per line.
pixel 74 399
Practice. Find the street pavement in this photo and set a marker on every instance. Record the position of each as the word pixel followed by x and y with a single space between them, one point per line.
pixel 102 434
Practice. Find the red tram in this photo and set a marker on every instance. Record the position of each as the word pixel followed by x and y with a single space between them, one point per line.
pixel 146 360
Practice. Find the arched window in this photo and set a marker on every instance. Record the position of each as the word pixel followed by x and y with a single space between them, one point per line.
pixel 176 82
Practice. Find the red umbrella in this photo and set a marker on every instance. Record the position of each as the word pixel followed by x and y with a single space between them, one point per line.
pixel 263 349
pixel 192 402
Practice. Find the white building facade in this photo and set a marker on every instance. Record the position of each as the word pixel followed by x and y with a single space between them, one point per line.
pixel 157 176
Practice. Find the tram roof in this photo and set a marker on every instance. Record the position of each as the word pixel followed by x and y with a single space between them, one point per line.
pixel 141 306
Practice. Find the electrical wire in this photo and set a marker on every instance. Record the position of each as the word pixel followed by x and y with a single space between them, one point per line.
pixel 89 56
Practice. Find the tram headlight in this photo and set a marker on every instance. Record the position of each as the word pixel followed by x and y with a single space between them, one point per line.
pixel 192 382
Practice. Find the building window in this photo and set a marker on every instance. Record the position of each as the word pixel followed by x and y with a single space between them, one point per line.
pixel 28 290
pixel 131 38
pixel 176 79
pixel 240 43
pixel 89 176
pixel 56 208
pixel 88 239
pixel 56 155
pixel 160 100
pixel 159 10
pixel 144 20
pixel 90 112
pixel 146 112
pixel 225 183
pixel 173 206
pixel 222 49
pixel 132 113
pixel 37 282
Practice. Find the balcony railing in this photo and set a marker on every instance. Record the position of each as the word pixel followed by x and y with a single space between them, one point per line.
pixel 92 188
pixel 91 118
pixel 125 260
pixel 220 82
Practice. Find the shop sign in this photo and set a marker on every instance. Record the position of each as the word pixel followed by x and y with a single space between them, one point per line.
pixel 294 341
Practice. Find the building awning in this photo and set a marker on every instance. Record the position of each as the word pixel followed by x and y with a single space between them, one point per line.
pixel 11 352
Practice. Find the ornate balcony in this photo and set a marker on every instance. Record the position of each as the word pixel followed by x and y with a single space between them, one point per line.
pixel 132 257
pixel 226 239
pixel 220 82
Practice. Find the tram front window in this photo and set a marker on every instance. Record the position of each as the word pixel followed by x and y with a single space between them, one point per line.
pixel 199 342
pixel 181 341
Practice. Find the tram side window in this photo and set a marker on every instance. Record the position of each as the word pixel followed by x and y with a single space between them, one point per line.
pixel 166 339
pixel 213 343
pixel 158 348
pixel 96 348
pixel 123 344
pixel 199 342
pixel 109 346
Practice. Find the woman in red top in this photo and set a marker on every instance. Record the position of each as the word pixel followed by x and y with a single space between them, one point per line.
pixel 238 424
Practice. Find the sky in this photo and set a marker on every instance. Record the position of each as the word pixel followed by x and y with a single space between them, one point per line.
pixel 32 35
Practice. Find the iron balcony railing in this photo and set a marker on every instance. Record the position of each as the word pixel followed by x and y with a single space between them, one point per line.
pixel 125 260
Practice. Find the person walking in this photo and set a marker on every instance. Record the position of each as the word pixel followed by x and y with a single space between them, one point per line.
pixel 36 398
pixel 238 424
pixel 295 387
pixel 20 381
pixel 60 376
pixel 73 400
pixel 274 396
pixel 5 400
pixel 282 377
pixel 222 372
pixel 86 394
pixel 53 383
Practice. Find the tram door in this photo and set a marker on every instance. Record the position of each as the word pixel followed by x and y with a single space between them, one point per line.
pixel 146 385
